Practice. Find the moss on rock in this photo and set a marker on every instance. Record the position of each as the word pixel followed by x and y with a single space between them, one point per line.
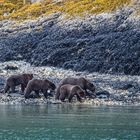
pixel 17 10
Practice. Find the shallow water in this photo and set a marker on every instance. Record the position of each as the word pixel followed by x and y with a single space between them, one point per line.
pixel 69 122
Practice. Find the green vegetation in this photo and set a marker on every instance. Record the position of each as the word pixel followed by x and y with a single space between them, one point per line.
pixel 9 6
pixel 16 10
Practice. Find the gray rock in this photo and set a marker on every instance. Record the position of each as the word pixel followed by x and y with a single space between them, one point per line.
pixel 105 43
pixel 8 67
pixel 103 94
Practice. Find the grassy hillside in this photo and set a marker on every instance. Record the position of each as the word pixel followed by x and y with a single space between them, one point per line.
pixel 16 10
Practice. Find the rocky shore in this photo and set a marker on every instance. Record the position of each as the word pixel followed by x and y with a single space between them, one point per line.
pixel 123 90
pixel 104 43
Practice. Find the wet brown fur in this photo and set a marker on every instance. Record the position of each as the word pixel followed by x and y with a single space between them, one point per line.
pixel 82 82
pixel 38 85
pixel 15 80
pixel 69 91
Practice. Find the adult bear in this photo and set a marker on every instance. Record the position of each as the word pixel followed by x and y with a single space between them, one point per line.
pixel 82 82
pixel 69 91
pixel 15 80
pixel 38 85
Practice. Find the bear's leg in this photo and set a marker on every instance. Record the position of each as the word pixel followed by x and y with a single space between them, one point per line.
pixel 78 97
pixel 57 93
pixel 22 87
pixel 90 95
pixel 13 88
pixel 6 89
pixel 87 94
pixel 62 97
pixel 37 93
pixel 71 96
pixel 45 93
pixel 27 93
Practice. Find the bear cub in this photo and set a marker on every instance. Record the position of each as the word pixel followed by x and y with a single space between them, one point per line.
pixel 15 80
pixel 69 91
pixel 38 85
pixel 82 82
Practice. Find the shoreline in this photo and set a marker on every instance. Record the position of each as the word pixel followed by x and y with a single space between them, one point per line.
pixel 4 100
pixel 117 85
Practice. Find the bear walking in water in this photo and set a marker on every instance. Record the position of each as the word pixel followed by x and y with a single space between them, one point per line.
pixel 82 82
pixel 15 80
pixel 69 91
pixel 37 85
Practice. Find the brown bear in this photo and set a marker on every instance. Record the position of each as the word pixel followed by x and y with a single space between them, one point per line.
pixel 82 82
pixel 15 80
pixel 38 85
pixel 69 91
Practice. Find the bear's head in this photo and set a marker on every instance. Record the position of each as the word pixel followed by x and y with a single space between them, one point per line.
pixel 82 94
pixel 51 86
pixel 90 86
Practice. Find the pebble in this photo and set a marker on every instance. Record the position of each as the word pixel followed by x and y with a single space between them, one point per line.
pixel 104 83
